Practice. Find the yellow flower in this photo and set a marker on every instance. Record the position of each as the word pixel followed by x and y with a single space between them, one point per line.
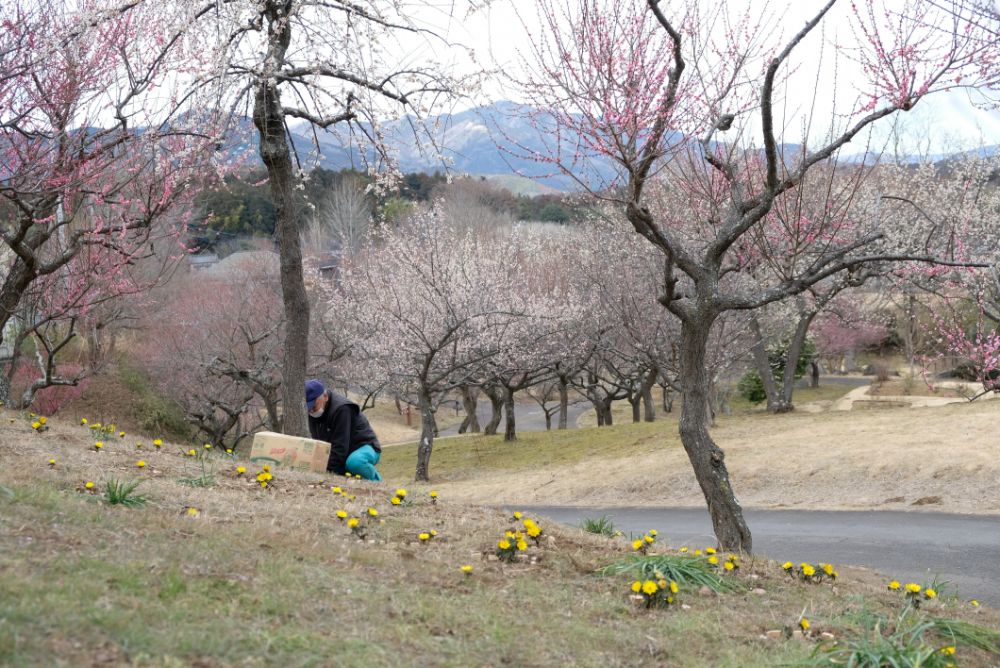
pixel 729 566
pixel 401 493
pixel 342 514
pixel 652 532
pixel 673 587
pixel 894 585
pixel 36 425
pixel 42 419
pixel 714 560
pixel 265 468
pixel 521 545
pixel 208 446
pixel 534 531
pixel 684 549
pixel 192 453
pixel 434 532
pixel 948 651
pixel 827 568
pixel 636 586
pixel 697 553
pixel 83 420
pixel 648 539
pixel 52 462
pixel 88 485
pixel 509 534
pixel 912 587
pixel 637 545
pixel 434 495
pixel 192 511
pixel 974 603
pixel 240 470
pixel 98 445
pixel 121 434
pixel 336 490
pixel 517 515
pixel 661 583
pixel 158 442
pixel 504 545
pixel 373 512
pixel 804 623
pixel 395 501
pixel 808 570
pixel 140 464
pixel 930 593
pixel 263 484
pixel 424 537
pixel 229 451
pixel 466 568
pixel 649 588
pixel 353 522
pixel 709 550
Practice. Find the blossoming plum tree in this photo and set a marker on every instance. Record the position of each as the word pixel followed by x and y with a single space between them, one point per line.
pixel 655 87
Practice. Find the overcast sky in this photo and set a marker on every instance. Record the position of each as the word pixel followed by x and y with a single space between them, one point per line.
pixel 946 122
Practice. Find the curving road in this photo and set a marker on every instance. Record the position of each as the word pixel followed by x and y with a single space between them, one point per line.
pixel 962 549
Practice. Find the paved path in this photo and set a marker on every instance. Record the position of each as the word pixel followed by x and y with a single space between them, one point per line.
pixel 962 549
pixel 527 417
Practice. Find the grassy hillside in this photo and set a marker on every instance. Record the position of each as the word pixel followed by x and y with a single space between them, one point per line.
pixel 215 570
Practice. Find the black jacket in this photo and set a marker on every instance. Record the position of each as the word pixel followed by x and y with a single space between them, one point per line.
pixel 345 428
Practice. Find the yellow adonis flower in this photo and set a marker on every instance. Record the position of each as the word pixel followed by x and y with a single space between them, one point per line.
pixel 729 566
pixel 158 442
pixel 648 539
pixel 894 585
pixel 714 560
pixel 974 603
pixel 466 568
pixel 121 434
pixel 522 545
pixel 88 485
pixel 697 553
pixel 342 514
pixel 709 550
pixel 229 451
pixel 913 588
pixel 930 593
pixel 504 545
pixel 808 570
pixel 42 419
pixel 36 425
pixel 395 501
pixel 401 493
pixel 684 549
pixel 636 586
pixel 434 495
pixel 517 515
pixel 804 623
pixel 373 512
pixel 424 537
pixel 649 587
pixel 83 420
pixel 947 651
pixel 434 532
pixel 353 522
pixel 140 464
pixel 193 512
pixel 208 446
pixel 534 531
pixel 827 568
pixel 637 545
pixel 52 462
pixel 673 587
pixel 652 532
pixel 192 453
pixel 98 445
pixel 240 470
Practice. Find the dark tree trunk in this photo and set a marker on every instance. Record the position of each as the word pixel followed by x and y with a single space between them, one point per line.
pixel 563 402
pixel 794 353
pixel 606 408
pixel 635 401
pixel 815 374
pixel 707 459
pixel 427 431
pixel 268 117
pixel 510 431
pixel 496 405
pixel 668 399
pixel 469 404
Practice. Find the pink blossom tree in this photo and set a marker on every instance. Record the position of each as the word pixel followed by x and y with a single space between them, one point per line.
pixel 654 88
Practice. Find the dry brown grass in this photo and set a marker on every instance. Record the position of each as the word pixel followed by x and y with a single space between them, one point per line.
pixel 266 577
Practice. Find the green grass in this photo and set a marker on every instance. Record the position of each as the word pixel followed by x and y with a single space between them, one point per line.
pixel 686 571
pixel 121 493
pixel 602 526
pixel 466 456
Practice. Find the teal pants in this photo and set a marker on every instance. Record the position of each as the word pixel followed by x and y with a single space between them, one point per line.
pixel 362 462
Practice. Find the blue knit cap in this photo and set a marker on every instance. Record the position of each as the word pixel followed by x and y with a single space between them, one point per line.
pixel 314 389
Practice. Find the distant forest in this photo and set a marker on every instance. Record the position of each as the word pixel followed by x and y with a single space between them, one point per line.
pixel 240 207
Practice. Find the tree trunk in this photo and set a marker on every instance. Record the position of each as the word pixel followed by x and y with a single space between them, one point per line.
pixel 668 399
pixel 606 408
pixel 563 402
pixel 469 404
pixel 496 405
pixel 268 117
pixel 649 410
pixel 792 362
pixel 427 429
pixel 510 433
pixel 635 401
pixel 815 374
pixel 707 459
pixel 763 364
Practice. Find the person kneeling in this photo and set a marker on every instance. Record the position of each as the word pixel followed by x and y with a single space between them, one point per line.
pixel 333 418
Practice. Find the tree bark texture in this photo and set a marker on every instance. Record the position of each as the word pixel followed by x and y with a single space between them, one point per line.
pixel 649 408
pixel 707 459
pixel 427 430
pixel 510 429
pixel 496 404
pixel 563 401
pixel 268 117
pixel 469 404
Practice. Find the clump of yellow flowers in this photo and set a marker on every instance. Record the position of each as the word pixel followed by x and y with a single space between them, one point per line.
pixel 264 476
pixel 655 593
pixel 809 573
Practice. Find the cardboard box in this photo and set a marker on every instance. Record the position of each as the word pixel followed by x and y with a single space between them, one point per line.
pixel 291 451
